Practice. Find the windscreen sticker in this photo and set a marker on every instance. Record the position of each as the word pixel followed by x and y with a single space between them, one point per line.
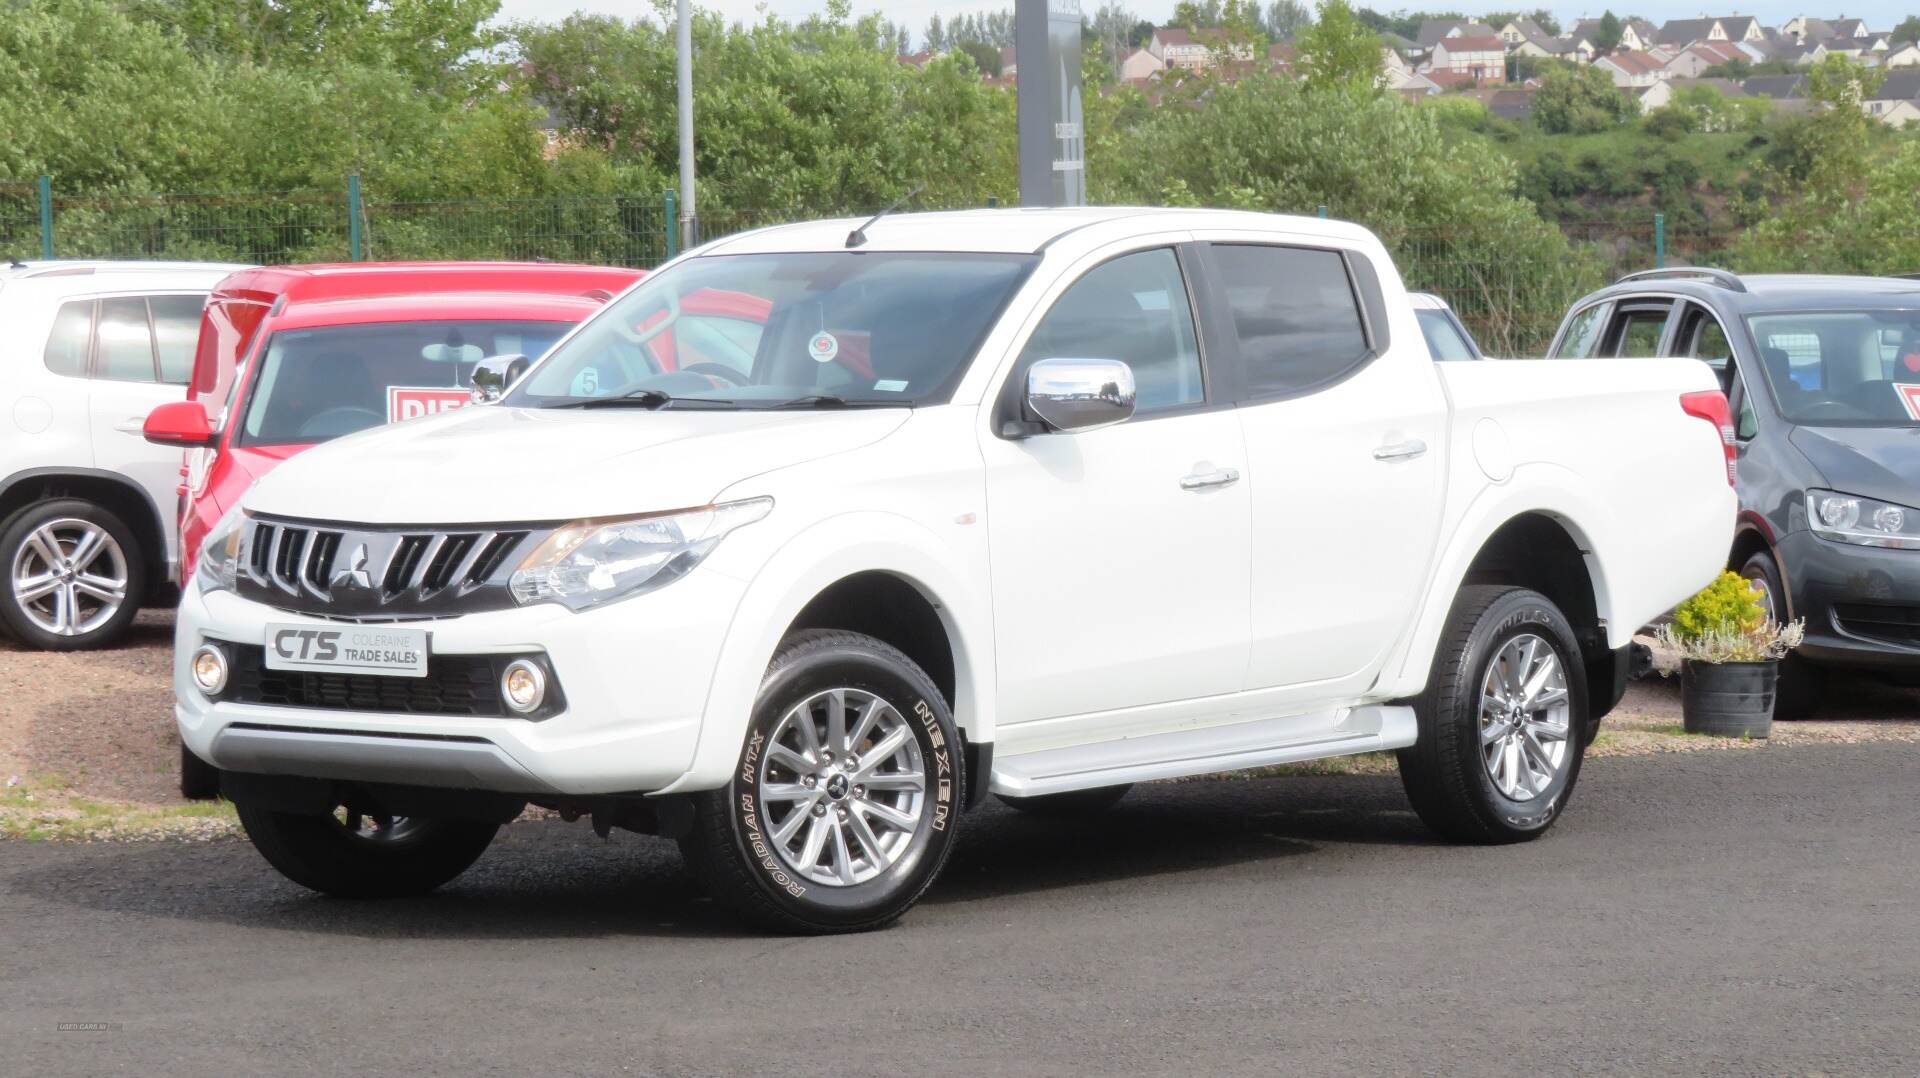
pixel 1909 396
pixel 823 347
pixel 412 402
pixel 890 385
pixel 1911 361
pixel 586 383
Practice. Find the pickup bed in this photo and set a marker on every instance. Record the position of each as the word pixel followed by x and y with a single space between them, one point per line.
pixel 823 533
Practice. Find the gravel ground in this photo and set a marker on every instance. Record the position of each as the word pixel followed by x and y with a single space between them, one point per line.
pixel 87 747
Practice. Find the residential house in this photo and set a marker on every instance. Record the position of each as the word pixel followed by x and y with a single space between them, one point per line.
pixel 1484 58
pixel 1009 63
pixel 1844 29
pixel 1411 84
pixel 1684 32
pixel 1635 34
pixel 1175 47
pixel 1574 48
pixel 1629 69
pixel 917 59
pixel 1433 30
pixel 1806 28
pixel 1695 59
pixel 1776 87
pixel 1905 54
pixel 1650 96
pixel 1897 100
pixel 1140 64
pixel 1743 28
pixel 1506 102
pixel 1449 81
pixel 1525 37
pixel 1390 59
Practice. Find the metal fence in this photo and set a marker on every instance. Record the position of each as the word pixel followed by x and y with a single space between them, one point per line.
pixel 1511 301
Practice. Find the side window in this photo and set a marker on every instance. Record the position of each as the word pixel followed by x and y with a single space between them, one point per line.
pixel 176 329
pixel 1582 334
pixel 1134 309
pixel 1294 314
pixel 67 344
pixel 1443 338
pixel 1637 331
pixel 123 343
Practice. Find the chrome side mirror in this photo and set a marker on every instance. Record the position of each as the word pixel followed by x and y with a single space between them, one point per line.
pixel 492 375
pixel 1080 394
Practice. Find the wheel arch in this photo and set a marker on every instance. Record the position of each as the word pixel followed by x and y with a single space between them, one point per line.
pixel 871 572
pixel 112 491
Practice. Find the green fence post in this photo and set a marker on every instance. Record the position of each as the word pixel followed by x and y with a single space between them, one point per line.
pixel 46 218
pixel 1659 241
pixel 1323 211
pixel 673 222
pixel 353 216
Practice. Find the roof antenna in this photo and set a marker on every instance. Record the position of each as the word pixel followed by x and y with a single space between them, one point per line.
pixel 859 235
pixel 13 261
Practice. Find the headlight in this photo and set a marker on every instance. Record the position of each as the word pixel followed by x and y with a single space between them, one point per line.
pixel 590 562
pixel 1849 518
pixel 219 565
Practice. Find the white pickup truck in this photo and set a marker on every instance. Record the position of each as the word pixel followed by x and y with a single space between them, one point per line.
pixel 821 533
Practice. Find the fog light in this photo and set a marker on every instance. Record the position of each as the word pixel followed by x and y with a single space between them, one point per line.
pixel 210 669
pixel 523 686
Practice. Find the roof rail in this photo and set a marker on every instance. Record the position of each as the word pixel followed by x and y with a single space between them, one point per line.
pixel 1724 278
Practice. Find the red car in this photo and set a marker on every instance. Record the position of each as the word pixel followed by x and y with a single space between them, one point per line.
pixel 291 356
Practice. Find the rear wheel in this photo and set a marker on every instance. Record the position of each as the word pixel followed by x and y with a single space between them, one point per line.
pixel 1071 803
pixel 349 853
pixel 845 802
pixel 1796 691
pixel 1498 750
pixel 75 577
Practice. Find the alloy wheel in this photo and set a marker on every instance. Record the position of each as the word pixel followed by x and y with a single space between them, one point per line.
pixel 843 787
pixel 69 576
pixel 1525 715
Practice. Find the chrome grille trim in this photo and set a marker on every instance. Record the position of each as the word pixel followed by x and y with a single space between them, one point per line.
pixel 370 571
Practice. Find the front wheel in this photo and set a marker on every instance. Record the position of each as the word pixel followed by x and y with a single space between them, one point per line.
pixel 1499 747
pixel 845 801
pixel 350 853
pixel 1797 687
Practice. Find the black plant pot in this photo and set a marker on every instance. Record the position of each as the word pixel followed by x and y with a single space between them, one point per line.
pixel 1728 699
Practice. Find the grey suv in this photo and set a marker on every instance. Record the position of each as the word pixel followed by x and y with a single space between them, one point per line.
pixel 1823 375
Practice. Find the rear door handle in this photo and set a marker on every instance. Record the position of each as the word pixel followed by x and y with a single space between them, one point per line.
pixel 1407 450
pixel 1219 477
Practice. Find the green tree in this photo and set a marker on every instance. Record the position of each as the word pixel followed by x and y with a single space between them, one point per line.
pixel 985 57
pixel 1606 36
pixel 1579 100
pixel 1339 52
pixel 1908 30
pixel 1285 18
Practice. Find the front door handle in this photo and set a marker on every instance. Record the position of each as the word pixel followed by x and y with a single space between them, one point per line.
pixel 134 425
pixel 1219 477
pixel 1407 450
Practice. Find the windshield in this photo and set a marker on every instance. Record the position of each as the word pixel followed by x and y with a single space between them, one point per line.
pixel 755 331
pixel 1842 368
pixel 321 383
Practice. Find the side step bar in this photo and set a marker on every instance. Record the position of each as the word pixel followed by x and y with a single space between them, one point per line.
pixel 1203 751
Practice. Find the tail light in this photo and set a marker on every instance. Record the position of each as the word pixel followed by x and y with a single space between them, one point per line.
pixel 1711 405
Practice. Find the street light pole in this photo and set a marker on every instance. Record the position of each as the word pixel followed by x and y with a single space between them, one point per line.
pixel 689 223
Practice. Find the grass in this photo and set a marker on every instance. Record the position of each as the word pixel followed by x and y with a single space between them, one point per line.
pixel 46 808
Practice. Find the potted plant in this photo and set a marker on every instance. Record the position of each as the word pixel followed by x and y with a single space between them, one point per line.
pixel 1730 655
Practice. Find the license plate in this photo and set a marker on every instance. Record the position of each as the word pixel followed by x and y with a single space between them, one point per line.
pixel 353 649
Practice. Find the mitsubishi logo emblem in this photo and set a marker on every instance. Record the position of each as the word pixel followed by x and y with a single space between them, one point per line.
pixel 355 575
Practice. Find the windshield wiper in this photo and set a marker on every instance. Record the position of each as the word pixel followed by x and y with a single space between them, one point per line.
pixel 828 400
pixel 651 399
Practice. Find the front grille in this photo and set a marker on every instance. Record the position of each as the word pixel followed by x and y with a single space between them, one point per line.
pixel 467 685
pixel 354 571
pixel 1897 624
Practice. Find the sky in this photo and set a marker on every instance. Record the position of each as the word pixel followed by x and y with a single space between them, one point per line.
pixel 1880 14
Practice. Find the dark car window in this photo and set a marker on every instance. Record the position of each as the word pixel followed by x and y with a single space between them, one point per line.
pixel 1444 338
pixel 1636 331
pixel 1135 309
pixel 327 381
pixel 1294 314
pixel 1842 368
pixel 1582 334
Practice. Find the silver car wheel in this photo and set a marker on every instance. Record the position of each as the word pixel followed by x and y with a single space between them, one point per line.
pixel 69 577
pixel 1525 716
pixel 375 827
pixel 843 787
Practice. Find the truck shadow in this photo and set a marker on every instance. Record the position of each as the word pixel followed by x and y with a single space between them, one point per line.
pixel 544 879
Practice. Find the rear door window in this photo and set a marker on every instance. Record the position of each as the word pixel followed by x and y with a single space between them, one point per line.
pixel 1294 314
pixel 1637 330
pixel 1444 339
pixel 123 341
pixel 1582 335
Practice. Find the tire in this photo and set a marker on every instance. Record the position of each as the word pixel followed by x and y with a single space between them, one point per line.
pixel 388 857
pixel 1796 692
pixel 1071 803
pixel 76 614
pixel 1450 779
pixel 199 780
pixel 864 871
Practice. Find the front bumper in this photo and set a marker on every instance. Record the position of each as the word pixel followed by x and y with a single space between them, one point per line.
pixel 1861 604
pixel 635 674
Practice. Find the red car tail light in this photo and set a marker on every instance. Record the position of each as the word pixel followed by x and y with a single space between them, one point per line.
pixel 1711 405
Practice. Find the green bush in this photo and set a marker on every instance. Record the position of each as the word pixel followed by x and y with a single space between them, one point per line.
pixel 1730 604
